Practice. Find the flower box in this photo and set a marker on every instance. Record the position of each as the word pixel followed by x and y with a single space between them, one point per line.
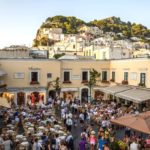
pixel 84 81
pixel 67 82
pixel 105 81
pixel 34 82
pixel 125 82
pixel 112 80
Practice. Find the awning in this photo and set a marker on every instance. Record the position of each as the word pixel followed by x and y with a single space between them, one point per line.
pixel 2 73
pixel 4 102
pixel 113 89
pixel 24 89
pixel 136 95
pixel 139 122
pixel 69 90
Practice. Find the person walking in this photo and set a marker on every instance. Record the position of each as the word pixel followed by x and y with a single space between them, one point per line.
pixel 69 123
pixel 82 144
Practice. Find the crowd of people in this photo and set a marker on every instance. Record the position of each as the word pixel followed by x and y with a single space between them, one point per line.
pixel 68 125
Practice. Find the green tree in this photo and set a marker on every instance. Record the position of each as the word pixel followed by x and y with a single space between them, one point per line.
pixel 94 78
pixel 56 56
pixel 56 85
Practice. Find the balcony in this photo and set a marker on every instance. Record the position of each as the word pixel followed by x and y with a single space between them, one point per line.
pixel 125 82
pixel 66 82
pixel 34 82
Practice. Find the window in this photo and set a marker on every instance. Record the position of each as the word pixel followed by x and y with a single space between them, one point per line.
pixel 34 78
pixel 49 75
pixel 104 55
pixel 85 76
pixel 113 76
pixel 66 76
pixel 89 53
pixel 142 78
pixel 126 76
pixel 104 75
pixel 74 46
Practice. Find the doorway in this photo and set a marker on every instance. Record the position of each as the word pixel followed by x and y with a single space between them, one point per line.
pixel 52 94
pixel 21 98
pixel 84 95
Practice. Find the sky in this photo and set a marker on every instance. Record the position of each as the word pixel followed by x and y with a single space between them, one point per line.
pixel 20 19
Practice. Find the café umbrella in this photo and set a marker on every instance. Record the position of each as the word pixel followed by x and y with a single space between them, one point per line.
pixel 139 122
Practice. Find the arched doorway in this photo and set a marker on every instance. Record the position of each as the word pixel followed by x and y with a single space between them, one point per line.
pixel 21 98
pixel 36 96
pixel 52 94
pixel 84 95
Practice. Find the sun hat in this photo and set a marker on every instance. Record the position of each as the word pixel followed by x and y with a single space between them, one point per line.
pixel 92 132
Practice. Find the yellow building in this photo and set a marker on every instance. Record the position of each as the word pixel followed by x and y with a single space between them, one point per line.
pixel 107 52
pixel 26 77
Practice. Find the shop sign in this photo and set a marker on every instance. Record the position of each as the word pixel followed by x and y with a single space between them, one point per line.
pixel 76 77
pixel 19 75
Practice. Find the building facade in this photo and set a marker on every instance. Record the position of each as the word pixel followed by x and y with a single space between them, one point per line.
pixel 27 77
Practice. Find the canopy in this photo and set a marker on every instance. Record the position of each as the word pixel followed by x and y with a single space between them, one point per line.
pixel 4 102
pixel 136 95
pixel 113 89
pixel 2 73
pixel 140 122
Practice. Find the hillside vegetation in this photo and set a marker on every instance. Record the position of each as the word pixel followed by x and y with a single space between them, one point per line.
pixel 71 25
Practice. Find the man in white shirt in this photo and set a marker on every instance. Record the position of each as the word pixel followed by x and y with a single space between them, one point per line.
pixel 69 123
pixel 134 145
